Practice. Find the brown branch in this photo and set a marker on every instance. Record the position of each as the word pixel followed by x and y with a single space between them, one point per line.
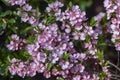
pixel 114 66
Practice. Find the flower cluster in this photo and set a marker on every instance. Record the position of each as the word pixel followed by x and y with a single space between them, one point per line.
pixel 113 13
pixel 16 43
pixel 17 2
pixel 25 12
pixel 55 53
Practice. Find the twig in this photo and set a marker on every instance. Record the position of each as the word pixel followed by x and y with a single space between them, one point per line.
pixel 114 78
pixel 118 58
pixel 117 62
pixel 115 75
pixel 114 66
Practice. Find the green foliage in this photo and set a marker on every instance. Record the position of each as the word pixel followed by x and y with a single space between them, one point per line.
pixel 49 66
pixel 0 9
pixel 84 4
pixel 4 69
pixel 100 55
pixel 66 56
pixel 6 13
pixel 92 22
pixel 61 78
pixel 5 2
pixel 102 76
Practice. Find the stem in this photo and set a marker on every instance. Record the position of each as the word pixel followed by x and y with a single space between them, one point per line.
pixel 118 59
pixel 115 75
pixel 114 78
pixel 114 66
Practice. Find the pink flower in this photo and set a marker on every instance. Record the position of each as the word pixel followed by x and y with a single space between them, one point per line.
pixel 12 46
pixel 20 2
pixel 82 36
pixel 15 37
pixel 41 68
pixel 82 56
pixel 16 43
pixel 47 74
pixel 117 46
pixel 86 77
pixel 68 29
pixel 32 20
pixel 64 64
pixel 76 35
pixel 32 68
pixel 41 57
pixel 53 58
pixel 25 17
pixel 77 77
pixel 54 6
pixel 55 72
pixel 21 73
pixel 27 7
pixel 13 69
pixel 12 2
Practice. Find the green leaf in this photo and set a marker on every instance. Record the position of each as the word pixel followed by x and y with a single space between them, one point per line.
pixel 92 22
pixel 61 78
pixel 70 4
pixel 37 10
pixel 5 2
pixel 0 62
pixel 29 41
pixel 100 55
pixel 102 76
pixel 26 55
pixel 84 4
pixel 49 1
pixel 65 56
pixel 106 64
pixel 11 20
pixel 49 65
pixel 50 19
pixel 0 9
pixel 4 69
pixel 3 14
pixel 28 29
pixel 88 38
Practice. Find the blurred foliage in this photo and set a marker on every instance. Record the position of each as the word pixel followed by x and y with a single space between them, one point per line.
pixel 84 4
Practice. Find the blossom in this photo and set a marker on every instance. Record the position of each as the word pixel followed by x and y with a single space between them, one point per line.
pixel 82 36
pixel 32 20
pixel 25 17
pixel 77 77
pixel 54 6
pixel 13 69
pixel 114 11
pixel 27 7
pixel 47 74
pixel 75 16
pixel 16 43
pixel 41 57
pixel 76 35
pixel 41 68
pixel 12 46
pixel 64 64
pixel 20 2
pixel 12 2
pixel 53 58
pixel 117 46
pixel 55 72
